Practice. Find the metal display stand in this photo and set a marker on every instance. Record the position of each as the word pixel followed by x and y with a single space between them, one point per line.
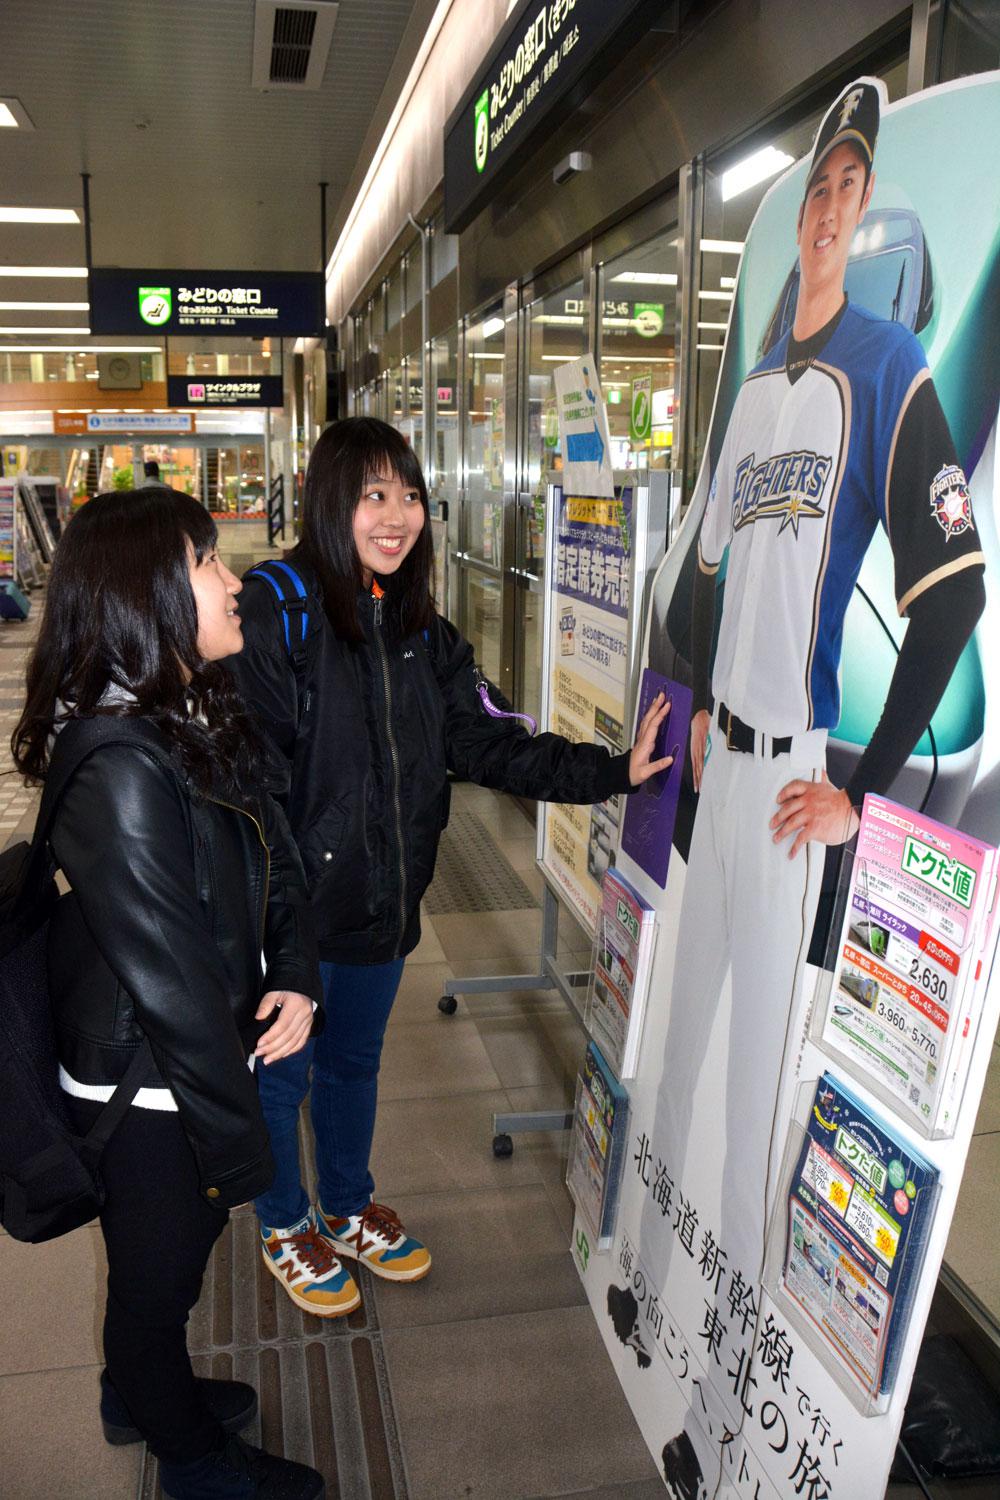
pixel 650 512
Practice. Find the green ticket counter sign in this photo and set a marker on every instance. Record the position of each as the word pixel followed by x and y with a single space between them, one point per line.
pixel 640 417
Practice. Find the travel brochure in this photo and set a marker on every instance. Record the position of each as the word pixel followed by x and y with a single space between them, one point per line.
pixel 912 962
pixel 859 1208
pixel 623 958
pixel 597 1146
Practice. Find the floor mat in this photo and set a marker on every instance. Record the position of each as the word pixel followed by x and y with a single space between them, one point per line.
pixel 472 874
pixel 322 1382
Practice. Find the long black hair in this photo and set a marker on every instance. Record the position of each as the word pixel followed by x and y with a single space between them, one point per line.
pixel 347 456
pixel 120 614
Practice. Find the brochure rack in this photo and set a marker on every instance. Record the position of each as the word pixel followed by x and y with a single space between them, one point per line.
pixel 848 1234
pixel 907 965
pixel 647 528
pixel 597 1152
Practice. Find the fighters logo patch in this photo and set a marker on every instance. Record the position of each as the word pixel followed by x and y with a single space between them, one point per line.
pixel 788 488
pixel 951 506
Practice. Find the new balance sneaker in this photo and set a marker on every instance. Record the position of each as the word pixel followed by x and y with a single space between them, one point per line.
pixel 305 1263
pixel 239 1471
pixel 231 1403
pixel 377 1238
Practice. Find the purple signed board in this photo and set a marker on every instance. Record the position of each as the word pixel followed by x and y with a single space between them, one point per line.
pixel 651 810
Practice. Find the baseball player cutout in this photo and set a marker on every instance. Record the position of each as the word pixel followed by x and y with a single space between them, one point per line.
pixel 837 430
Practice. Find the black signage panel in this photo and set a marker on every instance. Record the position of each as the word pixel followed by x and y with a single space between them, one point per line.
pixel 225 390
pixel 242 304
pixel 546 55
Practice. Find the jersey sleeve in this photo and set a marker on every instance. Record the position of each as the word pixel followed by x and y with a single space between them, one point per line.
pixel 717 522
pixel 928 508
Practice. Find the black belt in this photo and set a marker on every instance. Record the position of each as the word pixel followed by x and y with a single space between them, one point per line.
pixel 743 737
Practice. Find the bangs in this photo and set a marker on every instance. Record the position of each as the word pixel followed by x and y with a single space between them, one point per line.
pixel 198 526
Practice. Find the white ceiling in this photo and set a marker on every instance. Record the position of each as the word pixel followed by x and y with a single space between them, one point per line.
pixel 190 167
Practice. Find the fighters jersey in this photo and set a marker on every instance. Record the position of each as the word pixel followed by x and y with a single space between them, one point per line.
pixel 806 472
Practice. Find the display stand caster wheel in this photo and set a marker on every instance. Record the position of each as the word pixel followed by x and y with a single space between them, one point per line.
pixel 503 1146
pixel 447 1005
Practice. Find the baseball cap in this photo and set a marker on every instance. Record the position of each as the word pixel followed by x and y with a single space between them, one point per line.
pixel 853 117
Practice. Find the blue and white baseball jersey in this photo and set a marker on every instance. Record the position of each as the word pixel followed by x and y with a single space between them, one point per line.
pixel 812 462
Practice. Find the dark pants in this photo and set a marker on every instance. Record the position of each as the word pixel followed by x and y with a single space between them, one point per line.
pixel 159 1232
pixel 342 1066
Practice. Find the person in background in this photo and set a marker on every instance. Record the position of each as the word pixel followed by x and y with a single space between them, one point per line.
pixel 368 698
pixel 180 873
pixel 151 472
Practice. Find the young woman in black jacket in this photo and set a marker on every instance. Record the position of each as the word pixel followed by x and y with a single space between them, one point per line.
pixel 368 698
pixel 180 875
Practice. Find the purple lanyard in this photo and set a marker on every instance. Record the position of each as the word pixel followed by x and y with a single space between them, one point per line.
pixel 483 689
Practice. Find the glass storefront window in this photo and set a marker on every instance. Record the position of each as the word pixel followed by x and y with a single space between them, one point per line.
pixel 394 298
pixel 413 422
pixel 963 39
pixel 639 342
pixel 484 436
pixel 396 396
pixel 444 252
pixel 413 275
pixel 443 470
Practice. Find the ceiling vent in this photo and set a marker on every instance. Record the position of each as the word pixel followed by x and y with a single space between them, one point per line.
pixel 291 43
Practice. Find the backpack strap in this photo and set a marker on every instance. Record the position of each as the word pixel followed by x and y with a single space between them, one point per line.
pixel 293 598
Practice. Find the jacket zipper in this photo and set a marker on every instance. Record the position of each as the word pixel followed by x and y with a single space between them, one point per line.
pixel 267 859
pixel 394 753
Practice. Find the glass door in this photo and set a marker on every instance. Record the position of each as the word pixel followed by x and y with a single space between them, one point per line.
pixel 482 555
pixel 555 329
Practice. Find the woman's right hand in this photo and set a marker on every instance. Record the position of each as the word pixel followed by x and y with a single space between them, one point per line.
pixel 700 725
pixel 289 1031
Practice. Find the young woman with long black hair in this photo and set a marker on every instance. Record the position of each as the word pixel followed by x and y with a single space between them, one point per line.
pixel 180 874
pixel 368 698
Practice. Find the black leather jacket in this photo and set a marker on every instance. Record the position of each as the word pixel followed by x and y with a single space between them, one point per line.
pixel 363 738
pixel 174 896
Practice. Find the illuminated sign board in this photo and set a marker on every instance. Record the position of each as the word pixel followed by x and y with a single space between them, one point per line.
pixel 225 390
pixel 548 54
pixel 242 304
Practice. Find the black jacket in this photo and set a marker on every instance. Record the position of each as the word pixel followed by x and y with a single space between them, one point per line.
pixel 364 736
pixel 173 897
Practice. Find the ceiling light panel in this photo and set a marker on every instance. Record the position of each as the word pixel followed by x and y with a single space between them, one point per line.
pixel 16 215
pixel 754 170
pixel 78 272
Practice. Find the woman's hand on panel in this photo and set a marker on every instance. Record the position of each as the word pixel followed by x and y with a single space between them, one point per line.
pixel 640 765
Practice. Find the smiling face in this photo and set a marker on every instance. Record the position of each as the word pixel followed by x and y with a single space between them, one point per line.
pixel 388 519
pixel 835 203
pixel 215 588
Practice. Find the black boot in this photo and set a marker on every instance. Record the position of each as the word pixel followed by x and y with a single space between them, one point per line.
pixel 230 1402
pixel 240 1472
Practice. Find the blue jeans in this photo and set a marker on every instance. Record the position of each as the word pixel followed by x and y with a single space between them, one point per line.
pixel 343 1062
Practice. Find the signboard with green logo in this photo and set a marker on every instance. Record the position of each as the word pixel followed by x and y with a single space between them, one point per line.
pixel 239 304
pixel 549 54
pixel 640 416
pixel 648 319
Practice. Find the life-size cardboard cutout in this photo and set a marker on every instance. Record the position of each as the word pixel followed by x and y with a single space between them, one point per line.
pixel 847 497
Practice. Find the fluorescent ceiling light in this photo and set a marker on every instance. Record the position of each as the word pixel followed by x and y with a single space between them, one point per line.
pixel 754 169
pixel 476 354
pixel 14 116
pixel 722 247
pixel 729 281
pixel 705 296
pixel 648 278
pixel 58 332
pixel 79 271
pixel 15 215
pixel 492 326
pixel 80 348
pixel 566 318
pixel 620 359
pixel 44 307
pixel 710 348
pixel 721 326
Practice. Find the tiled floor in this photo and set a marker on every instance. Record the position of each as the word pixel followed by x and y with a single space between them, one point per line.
pixel 475 1370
